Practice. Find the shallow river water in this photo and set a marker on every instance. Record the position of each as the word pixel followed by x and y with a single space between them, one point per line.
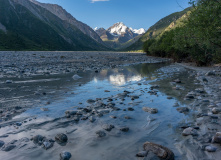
pixel 48 97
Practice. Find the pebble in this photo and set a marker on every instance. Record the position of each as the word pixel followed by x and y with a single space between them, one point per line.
pixel 200 90
pixel 8 147
pixel 47 144
pixel 90 101
pixel 142 154
pixel 92 119
pixel 61 138
pixel 124 129
pixel 65 155
pixel 177 81
pixel 210 149
pixel 1 143
pixel 44 109
pixel 100 133
pixel 210 73
pixel 38 139
pixel 76 77
pixel 150 110
pixel 127 117
pixel 154 87
pixel 217 138
pixel 84 118
pixel 70 112
pixel 216 111
pixel 183 109
pixel 18 123
pixel 189 131
pixel 114 117
pixel 8 81
pixel 176 104
pixel 108 127
pixel 130 109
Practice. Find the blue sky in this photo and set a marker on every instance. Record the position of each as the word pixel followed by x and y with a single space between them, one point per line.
pixel 133 13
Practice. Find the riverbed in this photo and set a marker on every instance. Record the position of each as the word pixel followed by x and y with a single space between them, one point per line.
pixel 38 105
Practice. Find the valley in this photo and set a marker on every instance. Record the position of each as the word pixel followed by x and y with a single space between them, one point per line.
pixel 131 81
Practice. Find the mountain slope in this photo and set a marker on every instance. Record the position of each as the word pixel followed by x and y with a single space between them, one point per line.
pixel 64 15
pixel 157 29
pixel 28 26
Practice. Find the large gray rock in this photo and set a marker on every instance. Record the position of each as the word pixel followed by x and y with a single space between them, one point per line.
pixel 108 127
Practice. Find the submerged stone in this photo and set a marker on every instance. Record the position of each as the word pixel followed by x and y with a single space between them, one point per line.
pixel 65 155
pixel 150 110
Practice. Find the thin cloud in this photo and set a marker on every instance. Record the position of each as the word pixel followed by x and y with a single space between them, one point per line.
pixel 93 1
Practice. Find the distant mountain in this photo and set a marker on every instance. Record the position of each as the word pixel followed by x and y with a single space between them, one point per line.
pixel 158 28
pixel 30 25
pixel 118 35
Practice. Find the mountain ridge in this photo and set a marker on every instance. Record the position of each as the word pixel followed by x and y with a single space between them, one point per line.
pixel 31 27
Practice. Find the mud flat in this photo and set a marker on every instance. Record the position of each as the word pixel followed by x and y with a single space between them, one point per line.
pixel 89 105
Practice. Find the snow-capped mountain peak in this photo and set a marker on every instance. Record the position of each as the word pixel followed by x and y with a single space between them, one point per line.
pixel 118 28
pixel 119 32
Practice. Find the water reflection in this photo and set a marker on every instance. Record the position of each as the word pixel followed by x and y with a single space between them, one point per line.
pixel 119 77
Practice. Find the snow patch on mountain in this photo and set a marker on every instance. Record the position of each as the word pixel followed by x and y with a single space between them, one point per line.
pixel 138 31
